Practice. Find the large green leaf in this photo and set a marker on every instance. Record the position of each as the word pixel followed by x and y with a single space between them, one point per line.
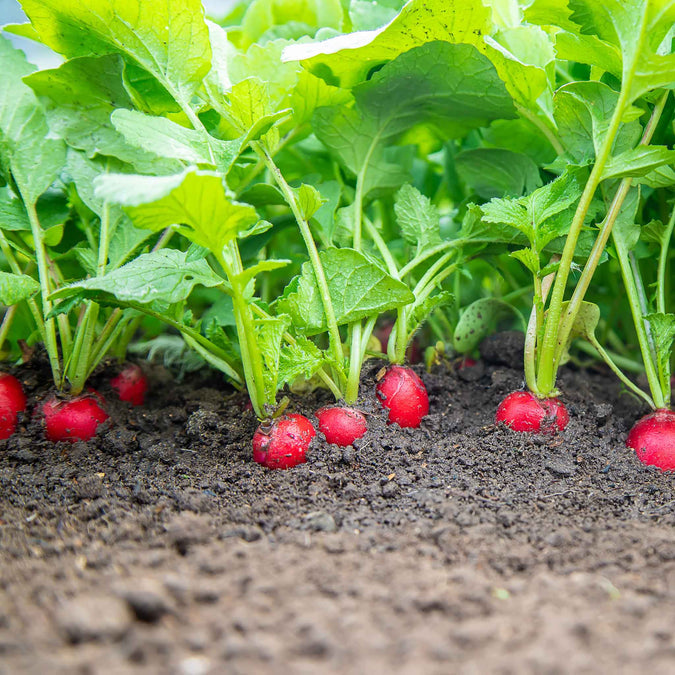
pixel 168 39
pixel 159 276
pixel 348 59
pixel 358 288
pixel 79 96
pixel 638 161
pixel 26 150
pixel 194 201
pixel 450 89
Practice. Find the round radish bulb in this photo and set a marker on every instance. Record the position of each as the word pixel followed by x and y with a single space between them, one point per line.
pixel 653 439
pixel 131 384
pixel 467 362
pixel 12 402
pixel 74 420
pixel 341 426
pixel 284 443
pixel 403 393
pixel 523 411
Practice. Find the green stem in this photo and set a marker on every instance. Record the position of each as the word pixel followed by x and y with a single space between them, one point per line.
pixel 548 132
pixel 638 320
pixel 548 364
pixel 355 362
pixel 45 291
pixel 321 373
pixel 317 267
pixel 15 267
pixel 251 356
pixel 6 324
pixel 663 262
pixel 617 371
pixel 620 361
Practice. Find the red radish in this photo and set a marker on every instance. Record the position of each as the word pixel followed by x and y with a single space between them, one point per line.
pixel 74 420
pixel 467 362
pixel 284 443
pixel 341 426
pixel 12 402
pixel 131 384
pixel 403 393
pixel 653 439
pixel 523 411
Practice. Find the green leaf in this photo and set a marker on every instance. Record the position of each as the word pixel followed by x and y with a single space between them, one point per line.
pixel 450 89
pixel 638 161
pixel 168 40
pixel 637 27
pixel 13 216
pixel 195 201
pixel 417 218
pixel 478 320
pixel 298 18
pixel 160 276
pixel 358 288
pixel 79 97
pixel 528 258
pixel 493 172
pixel 33 158
pixel 309 200
pixel 263 266
pixel 348 59
pixel 535 215
pixel 173 141
pixel 583 111
pixel 269 336
pixel 662 328
pixel 16 287
pixel 422 311
pixel 626 228
pixel 301 359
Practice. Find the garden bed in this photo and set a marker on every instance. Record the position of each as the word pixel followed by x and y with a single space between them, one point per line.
pixel 161 547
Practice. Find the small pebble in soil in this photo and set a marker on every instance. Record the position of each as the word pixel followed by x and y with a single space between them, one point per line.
pixel 148 599
pixel 320 521
pixel 92 617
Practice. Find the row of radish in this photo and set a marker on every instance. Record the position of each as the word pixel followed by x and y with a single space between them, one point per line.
pixel 282 442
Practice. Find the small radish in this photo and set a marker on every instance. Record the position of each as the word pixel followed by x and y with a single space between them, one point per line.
pixel 467 362
pixel 653 439
pixel 131 384
pixel 283 443
pixel 403 393
pixel 74 420
pixel 523 411
pixel 341 426
pixel 12 402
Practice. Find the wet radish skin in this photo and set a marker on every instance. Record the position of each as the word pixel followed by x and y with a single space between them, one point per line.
pixel 131 385
pixel 74 420
pixel 523 411
pixel 12 402
pixel 284 443
pixel 653 439
pixel 341 426
pixel 403 394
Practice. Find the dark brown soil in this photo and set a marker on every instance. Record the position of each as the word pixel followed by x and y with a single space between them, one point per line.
pixel 459 547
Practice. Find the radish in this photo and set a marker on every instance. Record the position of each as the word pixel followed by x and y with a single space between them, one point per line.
pixel 12 402
pixel 523 411
pixel 131 384
pixel 403 393
pixel 653 439
pixel 283 443
pixel 74 420
pixel 341 426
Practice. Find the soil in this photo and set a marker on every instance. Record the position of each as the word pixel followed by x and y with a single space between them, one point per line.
pixel 459 547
